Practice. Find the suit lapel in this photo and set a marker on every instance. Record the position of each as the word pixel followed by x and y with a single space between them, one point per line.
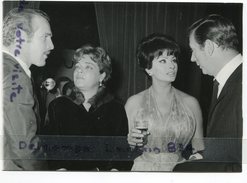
pixel 13 60
pixel 221 96
pixel 36 102
pixel 228 85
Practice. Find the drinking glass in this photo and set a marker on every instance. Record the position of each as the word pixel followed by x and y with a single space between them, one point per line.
pixel 141 123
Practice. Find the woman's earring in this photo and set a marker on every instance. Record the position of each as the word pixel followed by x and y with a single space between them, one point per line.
pixel 100 83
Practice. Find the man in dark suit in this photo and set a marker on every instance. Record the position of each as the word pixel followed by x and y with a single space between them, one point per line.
pixel 214 44
pixel 26 41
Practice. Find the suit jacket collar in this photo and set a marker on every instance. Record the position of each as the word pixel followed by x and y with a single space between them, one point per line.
pixel 100 98
pixel 25 68
pixel 235 77
pixel 227 71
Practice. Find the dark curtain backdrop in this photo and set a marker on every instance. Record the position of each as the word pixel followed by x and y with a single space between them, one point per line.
pixel 122 25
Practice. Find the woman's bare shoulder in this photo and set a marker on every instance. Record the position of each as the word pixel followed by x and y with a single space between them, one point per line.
pixel 189 100
pixel 135 100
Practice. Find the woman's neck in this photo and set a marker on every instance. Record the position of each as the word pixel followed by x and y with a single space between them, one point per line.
pixel 163 96
pixel 162 89
pixel 89 94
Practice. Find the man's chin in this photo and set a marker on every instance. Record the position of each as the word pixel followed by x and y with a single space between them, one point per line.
pixel 205 72
pixel 41 64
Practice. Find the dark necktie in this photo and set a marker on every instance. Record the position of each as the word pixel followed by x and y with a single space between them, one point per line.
pixel 213 102
pixel 215 92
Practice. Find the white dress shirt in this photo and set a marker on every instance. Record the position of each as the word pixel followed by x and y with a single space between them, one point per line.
pixel 227 70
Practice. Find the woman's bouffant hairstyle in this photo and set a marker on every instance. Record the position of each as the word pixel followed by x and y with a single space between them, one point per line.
pixel 217 29
pixel 153 46
pixel 99 56
pixel 16 17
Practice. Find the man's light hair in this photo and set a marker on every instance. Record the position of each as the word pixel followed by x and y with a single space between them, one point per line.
pixel 16 17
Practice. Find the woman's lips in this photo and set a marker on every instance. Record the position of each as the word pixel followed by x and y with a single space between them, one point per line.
pixel 171 73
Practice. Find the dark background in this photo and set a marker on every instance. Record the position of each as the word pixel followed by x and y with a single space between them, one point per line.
pixel 118 27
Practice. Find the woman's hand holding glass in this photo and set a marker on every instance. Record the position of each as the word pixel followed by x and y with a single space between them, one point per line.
pixel 138 135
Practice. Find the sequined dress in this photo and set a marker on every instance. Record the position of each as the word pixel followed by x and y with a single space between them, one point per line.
pixel 168 134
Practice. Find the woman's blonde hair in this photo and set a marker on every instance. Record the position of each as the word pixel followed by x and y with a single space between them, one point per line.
pixel 99 56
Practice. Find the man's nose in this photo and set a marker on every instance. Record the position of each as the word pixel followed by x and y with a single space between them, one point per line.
pixel 50 45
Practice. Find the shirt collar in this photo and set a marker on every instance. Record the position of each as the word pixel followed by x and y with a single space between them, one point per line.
pixel 23 64
pixel 228 69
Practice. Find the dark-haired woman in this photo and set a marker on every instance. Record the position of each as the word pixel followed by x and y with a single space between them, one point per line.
pixel 174 118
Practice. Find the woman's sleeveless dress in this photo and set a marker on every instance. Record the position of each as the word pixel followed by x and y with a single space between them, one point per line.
pixel 168 136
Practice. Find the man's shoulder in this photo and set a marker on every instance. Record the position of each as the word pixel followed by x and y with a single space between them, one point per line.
pixel 236 76
pixel 11 65
pixel 7 57
pixel 233 84
pixel 8 61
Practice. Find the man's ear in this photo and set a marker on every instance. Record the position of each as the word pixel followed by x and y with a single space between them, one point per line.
pixel 209 47
pixel 149 72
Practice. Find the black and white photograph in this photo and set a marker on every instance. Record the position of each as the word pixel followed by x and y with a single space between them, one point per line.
pixel 122 87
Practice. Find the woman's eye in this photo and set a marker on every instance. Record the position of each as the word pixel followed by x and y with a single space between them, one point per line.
pixel 89 67
pixel 162 61
pixel 77 67
pixel 174 60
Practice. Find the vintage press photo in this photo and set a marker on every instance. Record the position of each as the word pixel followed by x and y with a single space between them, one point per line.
pixel 122 86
